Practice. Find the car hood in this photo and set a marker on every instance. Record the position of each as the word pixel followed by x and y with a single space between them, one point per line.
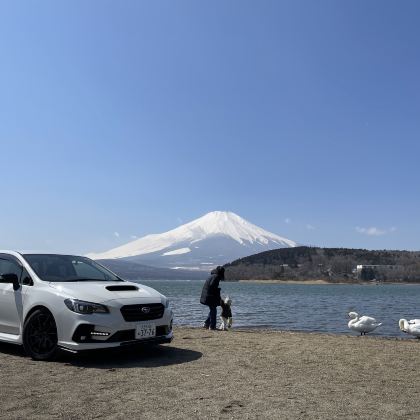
pixel 104 291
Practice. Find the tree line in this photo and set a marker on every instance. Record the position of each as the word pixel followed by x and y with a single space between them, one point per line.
pixel 331 264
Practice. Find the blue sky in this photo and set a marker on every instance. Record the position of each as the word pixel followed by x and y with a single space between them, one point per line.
pixel 119 119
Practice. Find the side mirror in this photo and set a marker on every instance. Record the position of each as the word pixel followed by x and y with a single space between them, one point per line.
pixel 10 278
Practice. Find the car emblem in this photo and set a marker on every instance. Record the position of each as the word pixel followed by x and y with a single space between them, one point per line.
pixel 145 310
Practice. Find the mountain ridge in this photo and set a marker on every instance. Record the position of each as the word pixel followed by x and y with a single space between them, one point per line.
pixel 215 238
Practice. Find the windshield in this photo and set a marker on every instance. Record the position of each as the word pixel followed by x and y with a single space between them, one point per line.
pixel 55 268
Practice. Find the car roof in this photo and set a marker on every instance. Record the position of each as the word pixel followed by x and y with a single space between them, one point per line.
pixel 23 252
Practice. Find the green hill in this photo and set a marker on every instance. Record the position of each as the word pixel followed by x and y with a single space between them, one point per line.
pixel 331 264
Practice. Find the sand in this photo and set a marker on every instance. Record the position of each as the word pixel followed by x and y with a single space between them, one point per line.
pixel 226 375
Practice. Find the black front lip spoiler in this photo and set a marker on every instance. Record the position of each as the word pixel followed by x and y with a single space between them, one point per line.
pixel 143 342
pixel 153 340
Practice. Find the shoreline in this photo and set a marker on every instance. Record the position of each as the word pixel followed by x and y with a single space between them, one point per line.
pixel 267 281
pixel 325 282
pixel 268 330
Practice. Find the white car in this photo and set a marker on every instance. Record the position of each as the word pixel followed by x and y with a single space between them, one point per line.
pixel 52 301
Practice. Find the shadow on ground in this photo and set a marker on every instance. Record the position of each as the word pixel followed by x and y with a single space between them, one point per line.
pixel 133 357
pixel 117 358
pixel 12 349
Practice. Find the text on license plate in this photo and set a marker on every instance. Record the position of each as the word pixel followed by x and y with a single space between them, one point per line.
pixel 145 330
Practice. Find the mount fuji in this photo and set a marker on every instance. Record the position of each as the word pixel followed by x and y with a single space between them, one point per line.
pixel 214 239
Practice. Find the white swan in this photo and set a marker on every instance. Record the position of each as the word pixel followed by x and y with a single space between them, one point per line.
pixel 410 327
pixel 363 324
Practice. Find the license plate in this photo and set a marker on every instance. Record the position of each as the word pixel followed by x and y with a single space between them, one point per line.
pixel 145 330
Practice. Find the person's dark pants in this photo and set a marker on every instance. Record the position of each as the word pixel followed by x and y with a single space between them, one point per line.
pixel 211 318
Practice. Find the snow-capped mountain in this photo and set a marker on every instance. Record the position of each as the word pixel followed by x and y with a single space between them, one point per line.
pixel 216 238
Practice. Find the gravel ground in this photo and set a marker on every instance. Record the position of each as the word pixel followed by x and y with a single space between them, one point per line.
pixel 215 374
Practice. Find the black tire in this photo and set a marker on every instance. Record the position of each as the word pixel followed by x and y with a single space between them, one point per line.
pixel 40 335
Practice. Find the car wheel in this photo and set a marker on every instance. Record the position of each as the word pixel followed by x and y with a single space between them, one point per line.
pixel 40 335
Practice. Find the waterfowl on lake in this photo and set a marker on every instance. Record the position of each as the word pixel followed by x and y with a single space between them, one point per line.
pixel 411 327
pixel 363 324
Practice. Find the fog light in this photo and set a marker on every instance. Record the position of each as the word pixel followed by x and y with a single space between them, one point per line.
pixel 100 333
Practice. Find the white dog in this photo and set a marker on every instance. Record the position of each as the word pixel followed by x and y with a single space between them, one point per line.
pixel 226 315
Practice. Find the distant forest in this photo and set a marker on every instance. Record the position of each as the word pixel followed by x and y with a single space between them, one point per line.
pixel 331 264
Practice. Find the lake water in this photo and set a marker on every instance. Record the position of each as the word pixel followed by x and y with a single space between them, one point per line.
pixel 298 307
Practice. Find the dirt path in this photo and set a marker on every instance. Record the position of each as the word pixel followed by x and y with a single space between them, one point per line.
pixel 206 374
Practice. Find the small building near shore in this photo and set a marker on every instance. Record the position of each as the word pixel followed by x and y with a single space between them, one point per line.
pixel 370 271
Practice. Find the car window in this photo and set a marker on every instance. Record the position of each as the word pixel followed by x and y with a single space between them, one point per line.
pixel 54 267
pixel 10 267
pixel 84 270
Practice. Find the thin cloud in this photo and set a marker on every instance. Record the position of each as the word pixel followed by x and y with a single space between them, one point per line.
pixel 374 231
pixel 133 237
pixel 116 234
pixel 310 227
pixel 287 220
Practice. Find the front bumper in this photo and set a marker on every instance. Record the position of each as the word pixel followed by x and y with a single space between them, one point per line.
pixel 76 347
pixel 79 332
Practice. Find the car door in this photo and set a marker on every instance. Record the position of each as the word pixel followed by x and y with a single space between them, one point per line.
pixel 11 301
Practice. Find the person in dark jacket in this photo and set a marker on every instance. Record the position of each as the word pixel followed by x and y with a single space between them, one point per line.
pixel 210 296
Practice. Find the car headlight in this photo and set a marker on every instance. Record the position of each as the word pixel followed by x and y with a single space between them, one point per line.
pixel 82 307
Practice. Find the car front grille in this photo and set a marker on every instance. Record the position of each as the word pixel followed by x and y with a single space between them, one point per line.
pixel 145 312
